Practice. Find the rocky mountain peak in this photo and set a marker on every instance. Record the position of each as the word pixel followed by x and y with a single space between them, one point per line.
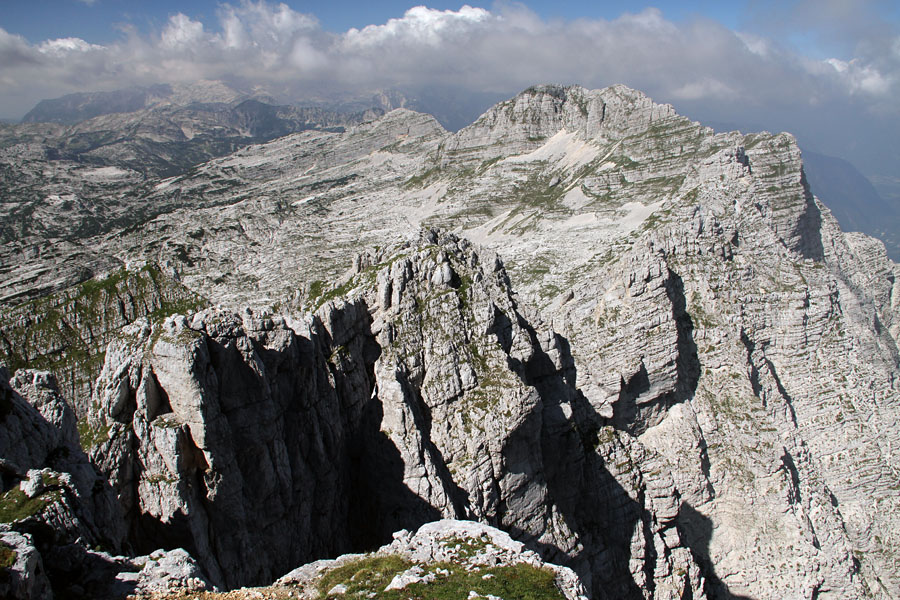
pixel 535 115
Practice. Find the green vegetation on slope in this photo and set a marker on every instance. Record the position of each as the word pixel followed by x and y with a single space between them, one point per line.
pixel 370 575
pixel 7 557
pixel 15 505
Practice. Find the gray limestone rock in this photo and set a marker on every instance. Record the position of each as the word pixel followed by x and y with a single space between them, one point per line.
pixel 262 442
pixel 694 389
pixel 22 575
pixel 167 572
pixel 466 544
pixel 51 493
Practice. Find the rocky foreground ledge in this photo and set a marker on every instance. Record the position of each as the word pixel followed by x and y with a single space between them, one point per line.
pixel 447 558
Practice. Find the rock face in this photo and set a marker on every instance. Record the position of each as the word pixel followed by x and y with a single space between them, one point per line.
pixel 46 475
pixel 22 575
pixel 54 504
pixel 260 443
pixel 172 572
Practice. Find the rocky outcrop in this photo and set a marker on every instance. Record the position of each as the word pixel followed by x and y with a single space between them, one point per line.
pixel 47 478
pixel 525 123
pixel 57 511
pixel 160 573
pixel 464 546
pixel 54 504
pixel 22 575
pixel 259 442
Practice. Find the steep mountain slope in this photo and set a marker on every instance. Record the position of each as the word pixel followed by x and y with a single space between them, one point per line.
pixel 67 332
pixel 736 353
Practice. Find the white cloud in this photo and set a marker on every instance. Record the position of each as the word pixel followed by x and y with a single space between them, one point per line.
pixel 860 78
pixel 704 88
pixel 499 51
pixel 756 44
pixel 418 24
pixel 62 46
pixel 181 33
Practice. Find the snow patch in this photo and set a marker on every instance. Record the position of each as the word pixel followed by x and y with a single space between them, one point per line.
pixel 107 173
pixel 566 149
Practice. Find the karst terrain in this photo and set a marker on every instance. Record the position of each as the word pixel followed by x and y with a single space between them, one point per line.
pixel 583 336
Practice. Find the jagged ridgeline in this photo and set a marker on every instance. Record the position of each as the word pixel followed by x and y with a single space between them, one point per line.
pixel 676 376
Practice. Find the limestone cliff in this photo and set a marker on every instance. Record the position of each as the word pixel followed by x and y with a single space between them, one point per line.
pixel 67 332
pixel 260 443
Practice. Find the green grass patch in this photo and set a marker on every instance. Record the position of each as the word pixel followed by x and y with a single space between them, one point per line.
pixel 320 292
pixel 367 578
pixel 422 178
pixel 466 547
pixel 7 556
pixel 90 436
pixel 157 478
pixel 15 505
pixel 63 332
pixel 372 573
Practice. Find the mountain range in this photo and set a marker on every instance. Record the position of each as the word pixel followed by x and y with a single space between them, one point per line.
pixel 644 349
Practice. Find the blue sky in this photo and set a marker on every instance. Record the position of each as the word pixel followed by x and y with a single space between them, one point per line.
pixel 96 21
pixel 826 70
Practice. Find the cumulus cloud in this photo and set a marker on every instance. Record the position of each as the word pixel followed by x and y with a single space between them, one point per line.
pixel 420 25
pixel 63 46
pixel 699 65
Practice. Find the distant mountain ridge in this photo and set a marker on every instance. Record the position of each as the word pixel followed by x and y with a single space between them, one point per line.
pixel 77 107
pixel 166 139
pixel 853 199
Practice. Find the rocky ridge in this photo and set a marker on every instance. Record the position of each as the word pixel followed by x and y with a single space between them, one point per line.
pixel 424 395
pixel 67 332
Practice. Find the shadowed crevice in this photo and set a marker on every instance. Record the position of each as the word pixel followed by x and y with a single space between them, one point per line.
pixel 698 530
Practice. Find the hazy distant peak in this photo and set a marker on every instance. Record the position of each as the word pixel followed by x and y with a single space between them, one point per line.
pixel 74 108
pixel 206 91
